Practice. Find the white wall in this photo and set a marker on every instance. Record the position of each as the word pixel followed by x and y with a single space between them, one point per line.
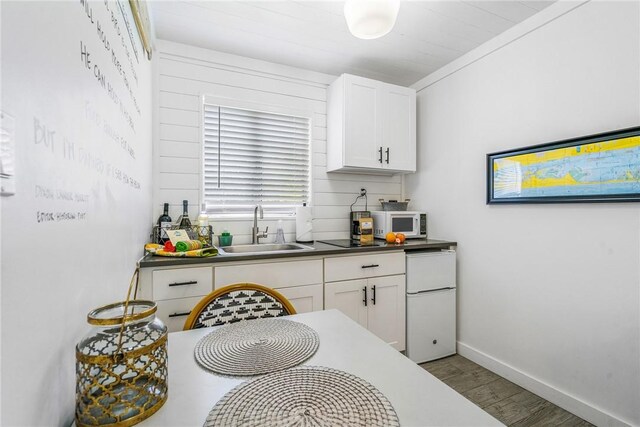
pixel 548 294
pixel 185 74
pixel 54 272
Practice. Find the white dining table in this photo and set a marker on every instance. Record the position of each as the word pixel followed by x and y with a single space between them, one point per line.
pixel 419 398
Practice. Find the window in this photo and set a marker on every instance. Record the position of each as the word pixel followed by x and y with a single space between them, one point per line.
pixel 254 157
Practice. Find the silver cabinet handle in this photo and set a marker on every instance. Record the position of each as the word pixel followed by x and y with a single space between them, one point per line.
pixel 387 155
pixel 380 152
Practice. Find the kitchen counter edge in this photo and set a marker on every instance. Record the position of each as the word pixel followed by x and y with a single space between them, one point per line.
pixel 320 249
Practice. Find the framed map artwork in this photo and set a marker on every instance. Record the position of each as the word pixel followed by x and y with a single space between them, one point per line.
pixel 596 168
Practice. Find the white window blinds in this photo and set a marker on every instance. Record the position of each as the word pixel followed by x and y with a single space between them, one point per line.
pixel 252 158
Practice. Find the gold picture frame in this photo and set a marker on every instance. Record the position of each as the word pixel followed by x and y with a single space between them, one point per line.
pixel 141 16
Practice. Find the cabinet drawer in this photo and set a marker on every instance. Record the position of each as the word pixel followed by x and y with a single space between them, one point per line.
pixel 272 274
pixel 174 312
pixel 362 266
pixel 182 283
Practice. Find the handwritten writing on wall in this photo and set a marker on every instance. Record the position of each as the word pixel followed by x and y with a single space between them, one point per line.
pixel 71 234
pixel 100 55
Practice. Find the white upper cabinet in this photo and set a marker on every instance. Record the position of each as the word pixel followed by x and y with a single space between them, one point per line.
pixel 371 127
pixel 399 128
pixel 361 111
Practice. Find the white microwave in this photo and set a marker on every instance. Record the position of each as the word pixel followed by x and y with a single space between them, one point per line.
pixel 410 223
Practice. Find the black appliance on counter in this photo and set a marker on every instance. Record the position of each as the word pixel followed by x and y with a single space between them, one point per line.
pixel 349 243
pixel 354 221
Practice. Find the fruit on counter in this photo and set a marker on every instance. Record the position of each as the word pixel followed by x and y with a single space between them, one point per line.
pixel 397 238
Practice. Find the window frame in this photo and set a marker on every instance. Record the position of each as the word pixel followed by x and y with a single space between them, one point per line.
pixel 257 107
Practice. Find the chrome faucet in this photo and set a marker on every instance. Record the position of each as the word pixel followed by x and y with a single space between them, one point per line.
pixel 256 234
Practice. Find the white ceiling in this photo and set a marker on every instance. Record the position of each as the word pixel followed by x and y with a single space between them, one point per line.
pixel 314 35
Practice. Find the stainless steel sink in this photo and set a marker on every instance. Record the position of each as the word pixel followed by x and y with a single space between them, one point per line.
pixel 263 248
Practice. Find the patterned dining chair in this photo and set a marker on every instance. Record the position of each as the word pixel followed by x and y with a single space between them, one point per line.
pixel 235 303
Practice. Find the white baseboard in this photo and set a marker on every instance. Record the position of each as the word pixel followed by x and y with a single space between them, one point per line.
pixel 557 397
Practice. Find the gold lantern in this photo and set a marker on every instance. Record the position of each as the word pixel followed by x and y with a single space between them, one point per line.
pixel 121 365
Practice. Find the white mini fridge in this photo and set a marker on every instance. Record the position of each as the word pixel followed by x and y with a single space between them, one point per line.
pixel 431 305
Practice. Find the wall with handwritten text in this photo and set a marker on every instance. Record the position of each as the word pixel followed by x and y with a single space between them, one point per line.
pixel 77 83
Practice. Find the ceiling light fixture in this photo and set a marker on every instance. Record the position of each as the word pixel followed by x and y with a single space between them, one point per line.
pixel 370 19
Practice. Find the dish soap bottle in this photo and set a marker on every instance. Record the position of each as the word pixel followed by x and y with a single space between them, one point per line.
pixel 225 239
pixel 204 232
pixel 203 218
pixel 280 234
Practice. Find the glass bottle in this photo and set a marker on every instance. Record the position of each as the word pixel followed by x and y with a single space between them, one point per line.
pixel 185 222
pixel 164 224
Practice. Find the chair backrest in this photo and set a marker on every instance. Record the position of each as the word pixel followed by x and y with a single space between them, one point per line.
pixel 235 303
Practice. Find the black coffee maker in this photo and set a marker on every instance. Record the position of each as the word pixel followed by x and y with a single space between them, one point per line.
pixel 354 220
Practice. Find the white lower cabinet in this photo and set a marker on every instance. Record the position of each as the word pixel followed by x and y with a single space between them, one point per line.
pixel 299 281
pixel 348 297
pixel 363 266
pixel 309 284
pixel 274 274
pixel 304 298
pixel 174 312
pixel 386 313
pixel 376 303
pixel 176 291
pixel 182 283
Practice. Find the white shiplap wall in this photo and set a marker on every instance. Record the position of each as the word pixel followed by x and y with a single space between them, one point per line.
pixel 185 73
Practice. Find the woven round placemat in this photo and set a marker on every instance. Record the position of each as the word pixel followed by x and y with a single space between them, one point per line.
pixel 256 347
pixel 304 396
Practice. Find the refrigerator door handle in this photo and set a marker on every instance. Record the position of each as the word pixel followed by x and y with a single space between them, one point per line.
pixel 430 290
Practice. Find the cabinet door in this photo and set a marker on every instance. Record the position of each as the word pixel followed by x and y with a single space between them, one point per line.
pixel 362 125
pixel 399 128
pixel 386 316
pixel 347 297
pixel 304 298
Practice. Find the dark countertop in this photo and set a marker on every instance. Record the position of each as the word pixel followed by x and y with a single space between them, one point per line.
pixel 320 249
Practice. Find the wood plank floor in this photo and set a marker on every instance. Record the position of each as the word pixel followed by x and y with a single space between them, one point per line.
pixel 505 401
